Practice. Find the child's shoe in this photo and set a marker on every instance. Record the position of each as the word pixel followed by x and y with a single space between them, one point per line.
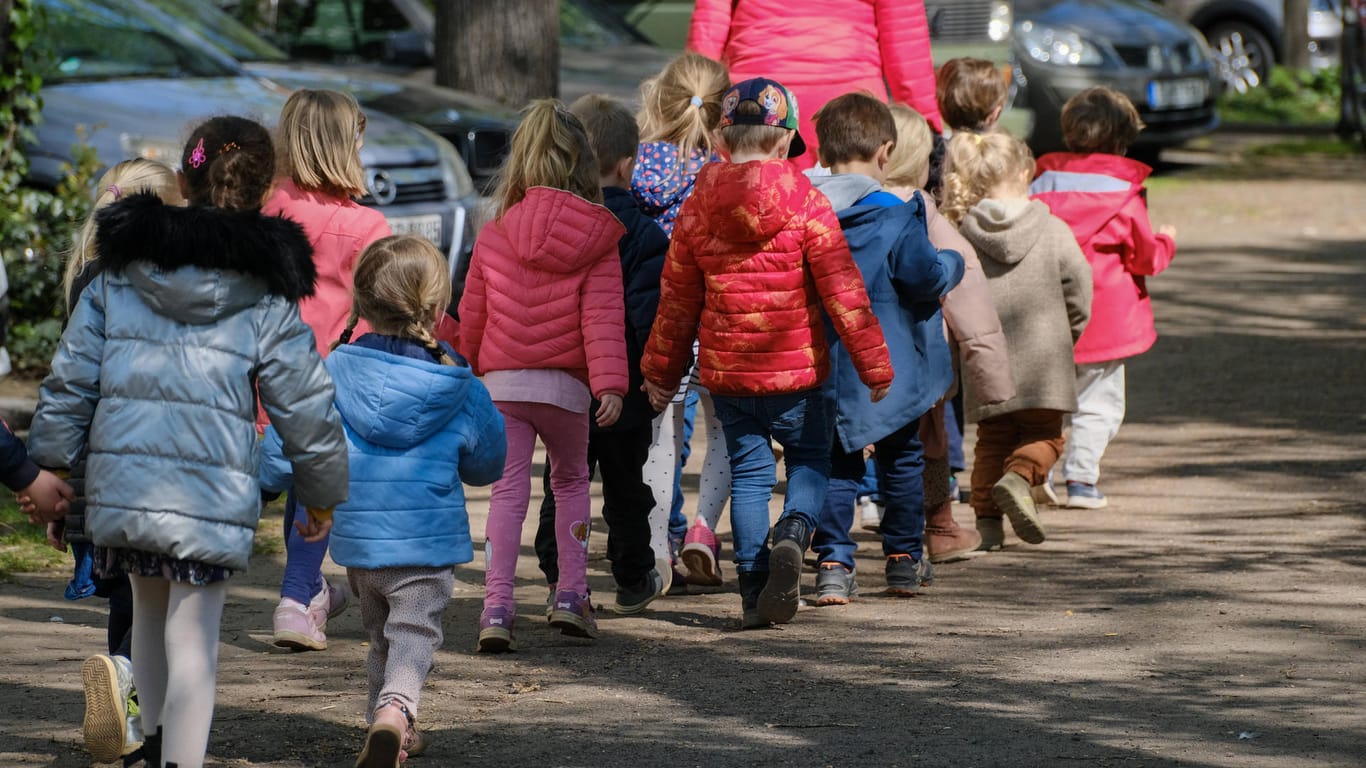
pixel 870 514
pixel 634 598
pixel 1044 493
pixel 108 682
pixel 385 739
pixel 1014 497
pixel 782 593
pixel 300 627
pixel 678 572
pixel 993 533
pixel 701 556
pixel 905 576
pixel 495 629
pixel 945 540
pixel 751 584
pixel 1084 496
pixel 835 584
pixel 573 615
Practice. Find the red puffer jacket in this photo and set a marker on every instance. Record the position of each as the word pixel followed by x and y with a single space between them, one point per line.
pixel 821 49
pixel 756 254
pixel 544 291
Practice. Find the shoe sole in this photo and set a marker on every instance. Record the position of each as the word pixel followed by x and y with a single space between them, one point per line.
pixel 1019 509
pixel 382 747
pixel 495 640
pixel 1085 503
pixel 105 726
pixel 572 624
pixel 630 609
pixel 953 556
pixel 701 565
pixel 295 641
pixel 778 602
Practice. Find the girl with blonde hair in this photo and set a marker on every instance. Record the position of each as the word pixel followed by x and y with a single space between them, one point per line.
pixel 418 424
pixel 543 322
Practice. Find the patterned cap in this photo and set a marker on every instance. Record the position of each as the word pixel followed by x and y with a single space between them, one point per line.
pixel 776 106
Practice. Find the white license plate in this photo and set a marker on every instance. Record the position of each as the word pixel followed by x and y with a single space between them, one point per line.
pixel 1177 94
pixel 428 226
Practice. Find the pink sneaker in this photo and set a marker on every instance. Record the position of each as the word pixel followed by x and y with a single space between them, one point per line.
pixel 701 555
pixel 573 615
pixel 301 627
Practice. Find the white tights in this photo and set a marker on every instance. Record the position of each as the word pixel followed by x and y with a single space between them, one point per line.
pixel 175 662
pixel 665 446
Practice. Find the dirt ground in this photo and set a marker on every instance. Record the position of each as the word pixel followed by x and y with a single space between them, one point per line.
pixel 1212 616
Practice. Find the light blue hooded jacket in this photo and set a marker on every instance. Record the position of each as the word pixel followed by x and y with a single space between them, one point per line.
pixel 416 429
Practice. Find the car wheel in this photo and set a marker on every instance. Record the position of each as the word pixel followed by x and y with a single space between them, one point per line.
pixel 1243 54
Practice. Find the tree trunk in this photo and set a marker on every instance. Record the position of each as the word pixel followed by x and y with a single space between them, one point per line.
pixel 5 7
pixel 1295 34
pixel 507 50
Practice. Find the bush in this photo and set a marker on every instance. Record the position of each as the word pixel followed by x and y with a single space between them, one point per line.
pixel 1288 97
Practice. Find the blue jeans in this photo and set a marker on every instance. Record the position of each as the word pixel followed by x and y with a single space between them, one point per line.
pixel 953 426
pixel 303 578
pixel 678 522
pixel 802 426
pixel 868 485
pixel 900 462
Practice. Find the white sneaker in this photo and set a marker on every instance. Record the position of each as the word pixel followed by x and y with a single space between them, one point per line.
pixel 870 514
pixel 1044 493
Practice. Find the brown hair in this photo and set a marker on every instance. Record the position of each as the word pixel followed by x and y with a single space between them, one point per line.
pixel 400 284
pixel 752 138
pixel 549 149
pixel 228 163
pixel 852 127
pixel 669 103
pixel 611 129
pixel 910 158
pixel 1100 119
pixel 969 89
pixel 319 136
pixel 977 163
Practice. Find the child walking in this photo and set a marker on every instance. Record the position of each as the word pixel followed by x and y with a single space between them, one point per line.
pixel 679 112
pixel 756 257
pixel 320 172
pixel 1041 286
pixel 418 424
pixel 543 323
pixel 194 315
pixel 1100 194
pixel 905 276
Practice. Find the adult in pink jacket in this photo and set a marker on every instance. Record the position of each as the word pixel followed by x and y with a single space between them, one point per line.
pixel 821 49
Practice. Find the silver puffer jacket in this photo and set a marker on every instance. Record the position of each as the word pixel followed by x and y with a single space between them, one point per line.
pixel 158 371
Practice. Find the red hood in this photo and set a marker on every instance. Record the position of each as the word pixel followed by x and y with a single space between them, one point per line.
pixel 1087 190
pixel 750 202
pixel 559 231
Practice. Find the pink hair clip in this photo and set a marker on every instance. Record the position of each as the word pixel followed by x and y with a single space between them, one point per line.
pixel 115 191
pixel 197 156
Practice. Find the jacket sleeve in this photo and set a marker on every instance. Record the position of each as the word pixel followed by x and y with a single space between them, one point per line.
pixel 920 271
pixel 840 286
pixel 275 474
pixel 903 38
pixel 297 393
pixel 17 471
pixel 603 315
pixel 1150 252
pixel 483 445
pixel 641 277
pixel 682 291
pixel 474 313
pixel 66 402
pixel 1076 279
pixel 710 27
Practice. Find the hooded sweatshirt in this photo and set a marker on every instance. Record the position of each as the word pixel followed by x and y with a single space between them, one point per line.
pixel 757 258
pixel 906 277
pixel 661 181
pixel 1041 286
pixel 416 430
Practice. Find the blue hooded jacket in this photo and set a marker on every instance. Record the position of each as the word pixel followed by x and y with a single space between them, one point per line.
pixel 415 430
pixel 905 277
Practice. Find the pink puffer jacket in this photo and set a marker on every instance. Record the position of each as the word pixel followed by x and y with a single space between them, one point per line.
pixel 821 49
pixel 544 291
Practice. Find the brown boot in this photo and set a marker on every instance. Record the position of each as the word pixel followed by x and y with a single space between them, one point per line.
pixel 945 540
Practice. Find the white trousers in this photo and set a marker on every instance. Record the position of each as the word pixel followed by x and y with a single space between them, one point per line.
pixel 1100 411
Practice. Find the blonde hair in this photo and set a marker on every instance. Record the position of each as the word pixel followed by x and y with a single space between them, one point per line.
pixel 977 163
pixel 318 136
pixel 399 285
pixel 126 178
pixel 969 90
pixel 682 104
pixel 549 149
pixel 910 158
pixel 1100 119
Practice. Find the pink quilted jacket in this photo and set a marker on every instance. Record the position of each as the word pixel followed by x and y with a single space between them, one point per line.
pixel 544 291
pixel 821 49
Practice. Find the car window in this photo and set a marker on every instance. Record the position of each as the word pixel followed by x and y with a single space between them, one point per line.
pixel 220 29
pixel 339 30
pixel 104 39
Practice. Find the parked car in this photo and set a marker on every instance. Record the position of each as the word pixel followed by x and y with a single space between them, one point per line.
pixel 136 79
pixel 1246 36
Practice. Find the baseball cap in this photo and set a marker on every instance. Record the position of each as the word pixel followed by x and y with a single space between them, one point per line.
pixel 777 107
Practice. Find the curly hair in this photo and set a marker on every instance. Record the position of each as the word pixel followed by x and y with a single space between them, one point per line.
pixel 228 163
pixel 976 164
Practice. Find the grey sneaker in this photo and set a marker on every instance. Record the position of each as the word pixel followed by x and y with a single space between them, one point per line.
pixel 835 585
pixel 1015 498
pixel 905 576
pixel 635 597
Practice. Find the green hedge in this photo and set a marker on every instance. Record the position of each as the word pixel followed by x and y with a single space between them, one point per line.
pixel 1288 97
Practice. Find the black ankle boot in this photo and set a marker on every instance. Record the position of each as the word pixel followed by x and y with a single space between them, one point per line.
pixel 751 584
pixel 782 594
pixel 151 749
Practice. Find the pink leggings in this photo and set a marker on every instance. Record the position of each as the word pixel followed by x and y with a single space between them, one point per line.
pixel 565 435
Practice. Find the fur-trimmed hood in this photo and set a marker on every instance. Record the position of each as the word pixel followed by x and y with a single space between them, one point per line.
pixel 175 257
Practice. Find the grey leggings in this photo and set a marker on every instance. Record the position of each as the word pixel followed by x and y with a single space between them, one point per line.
pixel 401 610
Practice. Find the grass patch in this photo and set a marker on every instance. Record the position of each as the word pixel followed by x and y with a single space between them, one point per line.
pixel 1288 97
pixel 269 537
pixel 23 546
pixel 1311 145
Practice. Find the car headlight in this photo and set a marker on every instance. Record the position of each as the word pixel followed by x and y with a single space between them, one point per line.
pixel 155 148
pixel 998 28
pixel 454 174
pixel 1057 46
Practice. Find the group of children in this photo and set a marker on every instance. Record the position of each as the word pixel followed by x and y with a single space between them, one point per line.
pixel 829 313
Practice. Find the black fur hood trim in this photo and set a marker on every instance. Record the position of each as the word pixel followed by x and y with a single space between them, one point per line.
pixel 270 248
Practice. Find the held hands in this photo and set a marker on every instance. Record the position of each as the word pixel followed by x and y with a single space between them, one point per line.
pixel 319 525
pixel 659 396
pixel 609 410
pixel 877 394
pixel 47 499
pixel 55 533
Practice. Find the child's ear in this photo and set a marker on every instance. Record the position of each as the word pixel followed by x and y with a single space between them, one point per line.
pixel 783 146
pixel 993 116
pixel 883 156
pixel 625 168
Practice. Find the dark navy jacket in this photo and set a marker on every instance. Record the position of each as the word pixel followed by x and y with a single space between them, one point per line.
pixel 17 472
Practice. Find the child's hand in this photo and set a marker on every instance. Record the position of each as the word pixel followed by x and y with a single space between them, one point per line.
pixel 46 499
pixel 609 410
pixel 319 525
pixel 877 394
pixel 1167 229
pixel 659 396
pixel 55 533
